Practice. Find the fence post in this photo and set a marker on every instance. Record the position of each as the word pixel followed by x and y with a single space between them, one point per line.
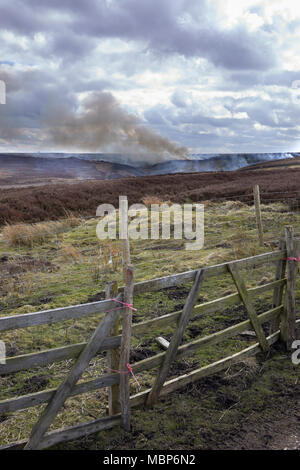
pixel 288 320
pixel 113 355
pixel 128 273
pixel 258 214
pixel 124 235
pixel 279 290
pixel 125 349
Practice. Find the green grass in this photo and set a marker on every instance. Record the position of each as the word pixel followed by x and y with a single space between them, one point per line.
pixel 46 276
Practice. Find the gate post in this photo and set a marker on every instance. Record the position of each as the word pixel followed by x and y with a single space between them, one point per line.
pixel 288 319
pixel 113 355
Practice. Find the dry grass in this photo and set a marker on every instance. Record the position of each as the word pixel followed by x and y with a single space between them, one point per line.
pixel 70 253
pixel 30 234
pixel 108 262
pixel 149 200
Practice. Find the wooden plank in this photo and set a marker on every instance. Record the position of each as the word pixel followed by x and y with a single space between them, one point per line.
pixel 229 332
pixel 75 373
pixel 42 358
pixel 69 433
pixel 258 215
pixel 37 398
pixel 125 349
pixel 211 271
pixel 288 320
pixel 26 401
pixel 43 317
pixel 183 380
pixel 207 307
pixel 78 311
pixel 27 361
pixel 241 287
pixel 176 338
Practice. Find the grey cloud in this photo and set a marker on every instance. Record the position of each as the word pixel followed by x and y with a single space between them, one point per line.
pixel 179 99
pixel 283 78
pixel 153 22
pixel 69 46
pixel 162 34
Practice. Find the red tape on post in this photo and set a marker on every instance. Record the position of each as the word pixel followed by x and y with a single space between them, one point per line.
pixel 123 303
pixel 129 371
pixel 294 259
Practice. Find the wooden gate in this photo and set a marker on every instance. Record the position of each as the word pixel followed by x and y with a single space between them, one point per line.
pixel 282 315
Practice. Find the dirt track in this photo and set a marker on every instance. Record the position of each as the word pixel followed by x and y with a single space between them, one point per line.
pixel 279 433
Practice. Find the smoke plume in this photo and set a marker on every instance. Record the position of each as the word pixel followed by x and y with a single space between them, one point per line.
pixel 101 124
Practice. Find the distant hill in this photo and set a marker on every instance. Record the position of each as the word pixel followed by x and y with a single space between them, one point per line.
pixel 276 164
pixel 39 169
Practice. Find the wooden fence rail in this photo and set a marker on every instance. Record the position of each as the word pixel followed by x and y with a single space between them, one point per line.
pixel 280 315
pixel 42 358
pixel 79 311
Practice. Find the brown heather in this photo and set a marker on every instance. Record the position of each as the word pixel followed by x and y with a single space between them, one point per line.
pixel 51 202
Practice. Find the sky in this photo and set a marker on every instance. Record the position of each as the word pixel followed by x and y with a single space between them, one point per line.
pixel 171 76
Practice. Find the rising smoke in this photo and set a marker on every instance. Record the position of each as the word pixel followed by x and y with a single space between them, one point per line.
pixel 101 124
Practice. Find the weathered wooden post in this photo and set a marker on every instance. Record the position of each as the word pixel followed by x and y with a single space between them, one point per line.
pixel 123 218
pixel 128 273
pixel 113 355
pixel 258 214
pixel 288 319
pixel 279 290
pixel 125 349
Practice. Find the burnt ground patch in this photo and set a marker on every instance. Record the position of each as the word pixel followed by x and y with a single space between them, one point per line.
pixel 34 384
pixel 138 354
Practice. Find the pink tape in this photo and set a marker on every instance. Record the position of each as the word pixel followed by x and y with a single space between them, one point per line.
pixel 129 371
pixel 294 259
pixel 124 303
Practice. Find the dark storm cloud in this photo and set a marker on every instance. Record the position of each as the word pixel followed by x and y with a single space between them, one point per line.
pixel 29 93
pixel 20 18
pixel 69 46
pixel 158 24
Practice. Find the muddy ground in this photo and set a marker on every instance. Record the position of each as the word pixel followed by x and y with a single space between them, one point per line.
pixel 252 406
